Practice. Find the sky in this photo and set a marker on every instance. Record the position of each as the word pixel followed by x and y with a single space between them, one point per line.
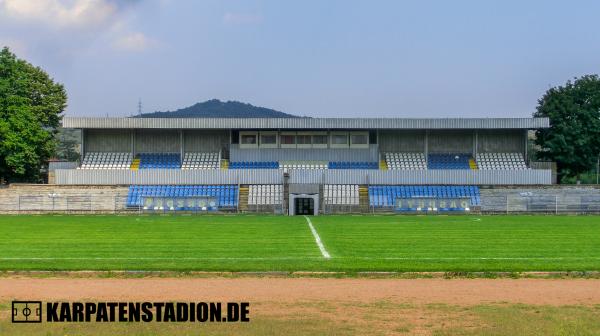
pixel 317 58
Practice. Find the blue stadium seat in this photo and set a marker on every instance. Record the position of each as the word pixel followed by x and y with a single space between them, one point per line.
pixel 448 161
pixel 353 165
pixel 253 165
pixel 160 161
pixel 225 194
pixel 385 196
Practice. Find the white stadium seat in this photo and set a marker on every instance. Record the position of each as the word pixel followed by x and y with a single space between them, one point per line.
pixel 341 194
pixel 490 161
pixel 200 161
pixel 265 194
pixel 303 165
pixel 108 160
pixel 412 161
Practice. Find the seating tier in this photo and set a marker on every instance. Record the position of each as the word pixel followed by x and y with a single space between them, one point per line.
pixel 396 161
pixel 353 165
pixel 449 161
pixel 253 165
pixel 265 194
pixel 385 196
pixel 200 161
pixel 490 161
pixel 109 160
pixel 341 194
pixel 160 161
pixel 227 195
pixel 303 165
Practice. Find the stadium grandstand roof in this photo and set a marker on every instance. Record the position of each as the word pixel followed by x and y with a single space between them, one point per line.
pixel 307 123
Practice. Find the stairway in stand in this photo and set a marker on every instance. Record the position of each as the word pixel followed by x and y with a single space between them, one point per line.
pixel 224 164
pixel 472 164
pixel 363 198
pixel 243 202
pixel 135 164
pixel 383 165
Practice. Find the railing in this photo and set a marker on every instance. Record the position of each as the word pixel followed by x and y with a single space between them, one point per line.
pixel 302 176
pixel 548 203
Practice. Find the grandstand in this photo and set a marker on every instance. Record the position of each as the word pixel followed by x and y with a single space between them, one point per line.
pixel 292 165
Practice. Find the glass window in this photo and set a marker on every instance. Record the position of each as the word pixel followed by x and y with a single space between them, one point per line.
pixel 288 139
pixel 249 139
pixel 339 139
pixel 319 139
pixel 268 139
pixel 303 139
pixel 359 139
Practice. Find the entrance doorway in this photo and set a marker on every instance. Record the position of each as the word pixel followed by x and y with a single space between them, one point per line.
pixel 304 206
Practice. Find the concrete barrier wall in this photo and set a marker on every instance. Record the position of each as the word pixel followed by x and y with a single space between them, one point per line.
pixel 275 176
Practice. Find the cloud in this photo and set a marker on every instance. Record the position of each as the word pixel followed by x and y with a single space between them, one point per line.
pixel 241 18
pixel 72 25
pixel 134 42
pixel 60 13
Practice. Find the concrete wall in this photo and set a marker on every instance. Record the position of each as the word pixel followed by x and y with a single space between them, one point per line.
pixel 157 141
pixel 370 154
pixel 439 141
pixel 402 141
pixel 500 141
pixel 450 141
pixel 275 176
pixel 99 140
pixel 205 141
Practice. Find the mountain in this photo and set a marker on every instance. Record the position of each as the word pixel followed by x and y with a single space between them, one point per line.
pixel 217 109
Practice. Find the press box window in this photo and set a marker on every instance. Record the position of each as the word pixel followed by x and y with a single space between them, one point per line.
pixel 268 139
pixel 319 141
pixel 248 140
pixel 287 140
pixel 303 140
pixel 339 139
pixel 359 139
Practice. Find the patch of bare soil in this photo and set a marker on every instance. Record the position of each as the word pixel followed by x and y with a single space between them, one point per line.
pixel 285 290
pixel 347 306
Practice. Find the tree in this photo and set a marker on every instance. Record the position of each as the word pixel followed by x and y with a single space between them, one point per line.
pixel 573 139
pixel 68 144
pixel 31 104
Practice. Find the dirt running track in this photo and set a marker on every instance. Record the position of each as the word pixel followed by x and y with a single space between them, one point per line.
pixel 420 291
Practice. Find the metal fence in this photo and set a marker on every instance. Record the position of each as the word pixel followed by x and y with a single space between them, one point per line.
pixel 507 203
pixel 303 176
pixel 550 204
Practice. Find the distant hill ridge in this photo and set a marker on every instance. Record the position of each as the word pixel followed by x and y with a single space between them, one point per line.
pixel 217 109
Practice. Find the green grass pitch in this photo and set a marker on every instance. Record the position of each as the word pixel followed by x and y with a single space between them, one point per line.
pixel 278 243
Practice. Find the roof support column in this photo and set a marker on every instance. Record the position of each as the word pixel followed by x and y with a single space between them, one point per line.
pixel 82 145
pixel 181 146
pixel 131 143
pixel 133 140
pixel 526 145
pixel 426 149
pixel 475 142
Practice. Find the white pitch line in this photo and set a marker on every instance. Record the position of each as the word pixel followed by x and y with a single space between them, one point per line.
pixel 475 258
pixel 297 258
pixel 318 239
pixel 158 258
